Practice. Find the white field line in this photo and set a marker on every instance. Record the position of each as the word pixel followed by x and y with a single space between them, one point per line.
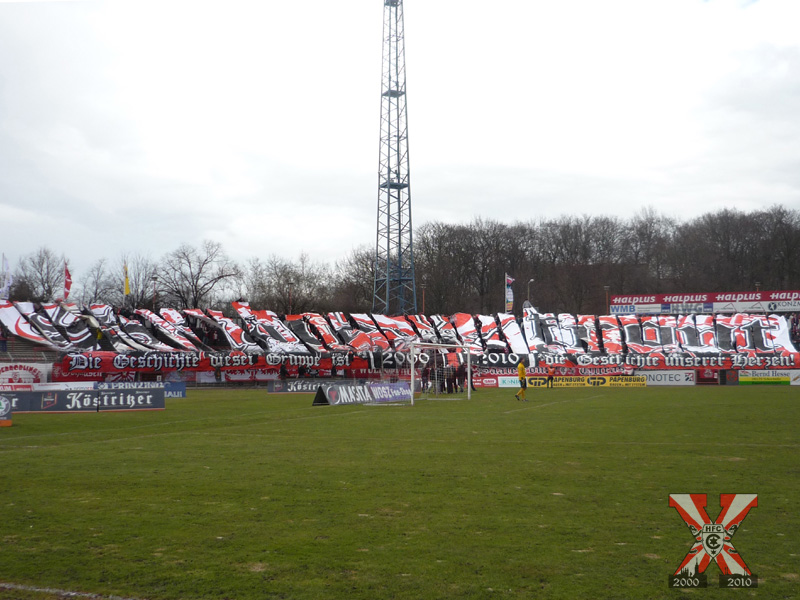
pixel 62 593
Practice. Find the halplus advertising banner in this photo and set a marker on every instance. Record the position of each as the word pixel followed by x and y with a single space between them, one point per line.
pixel 707 303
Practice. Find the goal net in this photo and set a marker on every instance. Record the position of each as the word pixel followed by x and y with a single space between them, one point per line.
pixel 443 371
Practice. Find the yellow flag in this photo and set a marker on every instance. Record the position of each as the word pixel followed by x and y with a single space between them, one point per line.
pixel 127 281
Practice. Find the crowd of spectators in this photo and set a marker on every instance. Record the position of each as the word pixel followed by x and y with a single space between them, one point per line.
pixel 794 328
pixel 444 379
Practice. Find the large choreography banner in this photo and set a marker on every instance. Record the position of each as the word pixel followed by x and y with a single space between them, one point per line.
pixel 707 303
pixel 68 318
pixel 19 326
pixel 102 343
pixel 241 367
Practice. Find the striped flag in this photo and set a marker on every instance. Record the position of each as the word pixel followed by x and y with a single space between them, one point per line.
pixel 509 294
pixel 7 280
pixel 67 281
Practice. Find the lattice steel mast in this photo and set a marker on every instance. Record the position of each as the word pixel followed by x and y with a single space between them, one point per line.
pixel 395 290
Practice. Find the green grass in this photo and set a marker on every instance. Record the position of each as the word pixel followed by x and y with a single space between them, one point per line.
pixel 242 495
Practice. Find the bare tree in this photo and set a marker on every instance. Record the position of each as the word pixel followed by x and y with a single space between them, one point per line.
pixel 140 272
pixel 313 282
pixel 97 285
pixel 354 281
pixel 285 286
pixel 190 277
pixel 444 265
pixel 256 284
pixel 726 242
pixel 778 262
pixel 646 249
pixel 487 253
pixel 570 260
pixel 39 276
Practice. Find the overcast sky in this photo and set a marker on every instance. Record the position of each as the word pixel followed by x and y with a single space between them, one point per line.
pixel 135 126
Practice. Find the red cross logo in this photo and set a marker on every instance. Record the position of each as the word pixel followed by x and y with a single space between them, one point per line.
pixel 713 539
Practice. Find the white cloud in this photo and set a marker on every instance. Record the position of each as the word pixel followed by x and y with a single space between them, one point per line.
pixel 137 126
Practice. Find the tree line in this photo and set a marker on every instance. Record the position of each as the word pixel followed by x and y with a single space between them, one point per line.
pixel 568 264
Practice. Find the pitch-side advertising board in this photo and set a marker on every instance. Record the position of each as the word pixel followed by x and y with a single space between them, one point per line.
pixel 95 400
pixel 772 377
pixel 655 378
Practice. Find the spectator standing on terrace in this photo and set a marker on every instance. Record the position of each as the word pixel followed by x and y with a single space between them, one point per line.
pixel 794 328
pixel 448 378
pixel 461 376
pixel 3 339
pixel 438 377
pixel 523 382
pixel 452 377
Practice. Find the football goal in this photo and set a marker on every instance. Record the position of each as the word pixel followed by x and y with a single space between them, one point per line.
pixel 443 371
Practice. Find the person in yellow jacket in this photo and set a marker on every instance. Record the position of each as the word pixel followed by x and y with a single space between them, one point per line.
pixel 523 382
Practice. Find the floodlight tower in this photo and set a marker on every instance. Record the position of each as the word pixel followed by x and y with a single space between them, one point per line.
pixel 395 290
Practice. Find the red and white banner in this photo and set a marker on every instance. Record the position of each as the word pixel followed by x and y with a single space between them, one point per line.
pixel 465 325
pixel 354 338
pixel 41 322
pixel 365 323
pixel 97 366
pixel 68 318
pixel 266 329
pixel 490 334
pixel 238 339
pixel 24 373
pixel 18 325
pixel 323 331
pixel 167 329
pixel 398 331
pixel 512 333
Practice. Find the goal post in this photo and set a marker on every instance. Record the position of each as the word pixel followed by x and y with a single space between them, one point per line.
pixel 445 370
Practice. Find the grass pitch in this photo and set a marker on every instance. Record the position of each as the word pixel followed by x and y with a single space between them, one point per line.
pixel 243 495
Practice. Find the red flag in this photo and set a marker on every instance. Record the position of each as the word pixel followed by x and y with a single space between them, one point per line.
pixel 67 281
